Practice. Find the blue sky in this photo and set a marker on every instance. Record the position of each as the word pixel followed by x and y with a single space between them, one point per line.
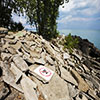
pixel 77 14
pixel 80 14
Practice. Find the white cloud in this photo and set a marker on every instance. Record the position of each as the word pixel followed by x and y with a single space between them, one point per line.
pixel 90 7
pixel 65 19
pixel 66 7
pixel 70 18
pixel 17 18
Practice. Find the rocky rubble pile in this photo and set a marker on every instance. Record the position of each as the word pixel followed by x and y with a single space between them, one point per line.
pixel 76 76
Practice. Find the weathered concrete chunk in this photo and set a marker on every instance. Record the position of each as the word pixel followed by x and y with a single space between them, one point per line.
pixel 20 63
pixel 82 85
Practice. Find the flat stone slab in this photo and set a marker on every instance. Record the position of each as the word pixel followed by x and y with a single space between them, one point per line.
pixel 56 89
pixel 20 63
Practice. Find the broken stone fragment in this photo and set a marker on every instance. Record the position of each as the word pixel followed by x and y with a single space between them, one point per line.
pixel 70 63
pixel 67 76
pixel 17 45
pixel 81 97
pixel 49 49
pixel 9 36
pixel 82 85
pixel 25 53
pixel 4 91
pixel 59 59
pixel 17 73
pixel 55 48
pixel 38 49
pixel 28 59
pixel 56 89
pixel 72 90
pixel 49 59
pixel 20 63
pixel 85 68
pixel 26 49
pixel 77 56
pixel 93 94
pixel 10 41
pixel 5 56
pixel 2 36
pixel 34 54
pixel 12 50
pixel 39 61
pixel 66 56
pixel 53 53
pixel 3 30
pixel 8 77
pixel 29 88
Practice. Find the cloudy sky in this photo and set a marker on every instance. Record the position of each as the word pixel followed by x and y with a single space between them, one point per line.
pixel 80 14
pixel 77 14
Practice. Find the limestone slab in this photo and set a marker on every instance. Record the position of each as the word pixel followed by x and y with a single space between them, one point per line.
pixel 56 89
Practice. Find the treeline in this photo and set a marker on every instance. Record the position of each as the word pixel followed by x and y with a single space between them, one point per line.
pixel 6 9
pixel 41 13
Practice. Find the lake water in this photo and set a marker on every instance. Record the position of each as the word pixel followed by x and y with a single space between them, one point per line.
pixel 92 35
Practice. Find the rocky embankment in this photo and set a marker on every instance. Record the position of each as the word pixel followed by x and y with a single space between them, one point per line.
pixel 75 76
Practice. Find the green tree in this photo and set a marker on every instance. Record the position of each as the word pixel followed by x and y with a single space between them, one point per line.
pixel 42 13
pixel 6 8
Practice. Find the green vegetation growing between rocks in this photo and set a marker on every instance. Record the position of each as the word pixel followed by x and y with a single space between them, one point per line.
pixel 70 43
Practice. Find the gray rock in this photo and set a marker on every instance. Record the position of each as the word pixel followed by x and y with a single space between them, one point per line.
pixel 20 63
pixel 54 90
pixel 72 90
pixel 5 56
pixel 4 91
pixel 39 61
pixel 67 76
pixel 49 59
pixel 66 56
pixel 82 85
pixel 8 77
